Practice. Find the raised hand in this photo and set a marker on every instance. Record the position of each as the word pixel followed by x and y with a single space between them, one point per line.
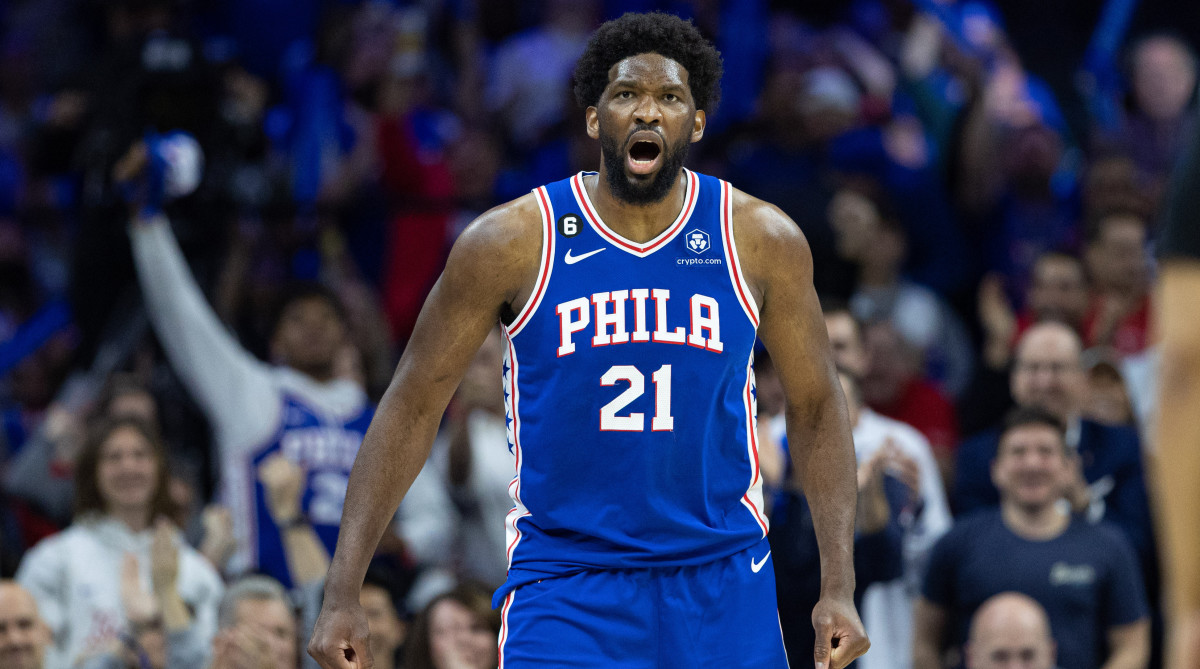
pixel 219 543
pixel 140 606
pixel 164 557
pixel 284 484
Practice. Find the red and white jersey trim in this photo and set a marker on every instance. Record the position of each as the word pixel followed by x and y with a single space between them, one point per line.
pixel 512 533
pixel 504 627
pixel 544 269
pixel 753 499
pixel 735 267
pixel 640 250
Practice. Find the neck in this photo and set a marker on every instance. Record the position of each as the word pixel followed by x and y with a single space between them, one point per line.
pixel 636 222
pixel 135 518
pixel 1038 523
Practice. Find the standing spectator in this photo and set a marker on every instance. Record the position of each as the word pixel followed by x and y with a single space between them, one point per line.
pixel 870 236
pixel 298 406
pixel 532 70
pixel 1119 268
pixel 24 636
pixel 1058 290
pixel 1084 575
pixel 1010 629
pixel 1163 81
pixel 1011 152
pixel 121 509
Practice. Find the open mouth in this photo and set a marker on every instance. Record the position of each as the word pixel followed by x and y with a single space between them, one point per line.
pixel 644 156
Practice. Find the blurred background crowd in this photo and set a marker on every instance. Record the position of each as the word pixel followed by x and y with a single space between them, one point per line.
pixel 980 181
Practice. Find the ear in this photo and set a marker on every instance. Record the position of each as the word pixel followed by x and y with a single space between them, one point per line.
pixel 992 469
pixel 592 116
pixel 698 122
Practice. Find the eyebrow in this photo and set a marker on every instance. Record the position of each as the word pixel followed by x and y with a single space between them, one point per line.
pixel 636 83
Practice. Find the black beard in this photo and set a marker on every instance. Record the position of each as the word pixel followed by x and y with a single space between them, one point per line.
pixel 641 192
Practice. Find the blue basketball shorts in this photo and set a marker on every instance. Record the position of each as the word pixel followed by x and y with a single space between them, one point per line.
pixel 721 615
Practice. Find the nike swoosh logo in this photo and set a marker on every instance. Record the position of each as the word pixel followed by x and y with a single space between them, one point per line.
pixel 757 566
pixel 571 260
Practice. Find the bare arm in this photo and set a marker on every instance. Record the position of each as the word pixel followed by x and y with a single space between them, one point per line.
pixel 492 265
pixel 228 382
pixel 1129 646
pixel 1177 432
pixel 283 480
pixel 778 265
pixel 929 633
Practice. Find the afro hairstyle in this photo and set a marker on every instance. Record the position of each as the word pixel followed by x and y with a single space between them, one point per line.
pixel 655 32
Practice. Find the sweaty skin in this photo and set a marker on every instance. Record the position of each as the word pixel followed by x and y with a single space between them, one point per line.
pixel 489 277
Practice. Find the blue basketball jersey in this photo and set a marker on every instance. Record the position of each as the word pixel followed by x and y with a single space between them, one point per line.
pixel 630 394
pixel 325 446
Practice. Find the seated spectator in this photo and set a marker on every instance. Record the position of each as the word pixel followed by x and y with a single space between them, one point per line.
pixel 846 340
pixel 257 627
pixel 1058 291
pixel 870 236
pixel 893 386
pixel 1109 484
pixel 42 474
pixel 1107 399
pixel 1119 268
pixel 887 606
pixel 1009 630
pixel 1084 575
pixel 456 630
pixel 121 528
pixel 383 604
pixel 24 636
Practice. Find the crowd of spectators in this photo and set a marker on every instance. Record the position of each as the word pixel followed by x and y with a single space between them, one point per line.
pixel 982 228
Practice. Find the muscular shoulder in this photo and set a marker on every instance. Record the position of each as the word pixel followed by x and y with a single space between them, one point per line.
pixel 498 253
pixel 770 245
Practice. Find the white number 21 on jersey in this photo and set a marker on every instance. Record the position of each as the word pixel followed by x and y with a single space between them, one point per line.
pixel 636 422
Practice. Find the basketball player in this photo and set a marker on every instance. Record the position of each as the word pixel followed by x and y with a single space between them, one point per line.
pixel 630 300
